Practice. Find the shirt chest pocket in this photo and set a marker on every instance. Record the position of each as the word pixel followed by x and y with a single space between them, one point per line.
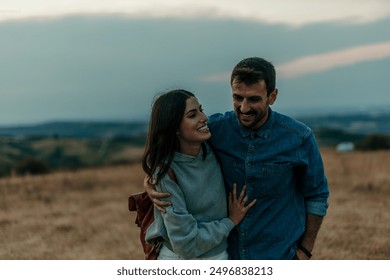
pixel 275 179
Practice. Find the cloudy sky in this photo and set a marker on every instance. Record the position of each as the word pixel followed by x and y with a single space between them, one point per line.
pixel 98 59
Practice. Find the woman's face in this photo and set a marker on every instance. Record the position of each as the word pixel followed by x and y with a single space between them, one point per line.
pixel 193 129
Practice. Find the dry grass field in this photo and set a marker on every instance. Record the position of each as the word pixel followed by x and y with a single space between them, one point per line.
pixel 83 214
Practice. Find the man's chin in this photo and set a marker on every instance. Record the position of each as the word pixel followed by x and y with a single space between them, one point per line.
pixel 246 123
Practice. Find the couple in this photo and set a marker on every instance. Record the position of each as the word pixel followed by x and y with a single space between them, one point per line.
pixel 268 164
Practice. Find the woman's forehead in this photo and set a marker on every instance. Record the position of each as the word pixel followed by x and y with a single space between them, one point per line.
pixel 192 103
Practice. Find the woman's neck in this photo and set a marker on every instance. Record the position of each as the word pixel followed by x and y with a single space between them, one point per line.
pixel 190 150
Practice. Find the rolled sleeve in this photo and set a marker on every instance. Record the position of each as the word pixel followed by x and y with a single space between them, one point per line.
pixel 317 208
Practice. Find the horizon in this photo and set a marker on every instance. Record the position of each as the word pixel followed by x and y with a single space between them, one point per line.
pixel 314 113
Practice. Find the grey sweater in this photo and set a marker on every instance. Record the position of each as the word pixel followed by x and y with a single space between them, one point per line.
pixel 196 225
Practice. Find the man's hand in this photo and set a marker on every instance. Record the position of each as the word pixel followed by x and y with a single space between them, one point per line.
pixel 313 224
pixel 156 196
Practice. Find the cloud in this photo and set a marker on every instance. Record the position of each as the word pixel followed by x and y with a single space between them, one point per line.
pixel 323 62
pixel 295 13
pixel 320 62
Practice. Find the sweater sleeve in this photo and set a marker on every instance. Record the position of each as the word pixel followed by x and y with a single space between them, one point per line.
pixel 188 237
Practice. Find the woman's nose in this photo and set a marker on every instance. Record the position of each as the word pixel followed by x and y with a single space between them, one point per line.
pixel 204 117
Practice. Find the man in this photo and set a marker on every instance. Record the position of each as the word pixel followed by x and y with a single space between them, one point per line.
pixel 278 160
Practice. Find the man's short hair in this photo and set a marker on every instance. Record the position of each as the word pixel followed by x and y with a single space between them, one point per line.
pixel 252 70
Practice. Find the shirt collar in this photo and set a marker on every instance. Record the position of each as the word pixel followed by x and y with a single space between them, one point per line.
pixel 264 131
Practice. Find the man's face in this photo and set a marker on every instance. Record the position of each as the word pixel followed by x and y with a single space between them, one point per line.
pixel 251 103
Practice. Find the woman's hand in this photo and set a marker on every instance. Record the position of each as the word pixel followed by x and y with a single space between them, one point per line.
pixel 237 208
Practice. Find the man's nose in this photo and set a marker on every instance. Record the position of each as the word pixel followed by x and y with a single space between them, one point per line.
pixel 245 108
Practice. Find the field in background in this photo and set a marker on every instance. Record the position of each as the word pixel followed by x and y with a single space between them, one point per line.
pixel 83 214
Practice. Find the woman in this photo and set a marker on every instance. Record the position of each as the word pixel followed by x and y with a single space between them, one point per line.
pixel 197 224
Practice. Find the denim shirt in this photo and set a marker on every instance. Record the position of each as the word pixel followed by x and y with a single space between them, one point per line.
pixel 282 168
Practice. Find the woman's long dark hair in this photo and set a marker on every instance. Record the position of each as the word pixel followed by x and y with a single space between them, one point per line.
pixel 162 142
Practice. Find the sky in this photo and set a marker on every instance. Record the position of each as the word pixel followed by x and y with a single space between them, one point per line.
pixel 107 60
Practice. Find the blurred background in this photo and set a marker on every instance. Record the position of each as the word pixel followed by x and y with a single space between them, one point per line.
pixel 77 80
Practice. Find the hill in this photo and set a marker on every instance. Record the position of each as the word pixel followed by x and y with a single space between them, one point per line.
pixel 75 129
pixel 356 123
pixel 51 146
pixel 333 129
pixel 352 123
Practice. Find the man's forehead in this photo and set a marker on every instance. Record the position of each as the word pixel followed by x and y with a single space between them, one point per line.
pixel 237 83
pixel 258 87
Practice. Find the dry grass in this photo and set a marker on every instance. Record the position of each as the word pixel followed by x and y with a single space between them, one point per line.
pixel 83 214
pixel 358 222
pixel 79 215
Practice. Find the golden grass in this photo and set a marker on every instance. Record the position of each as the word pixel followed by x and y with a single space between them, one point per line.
pixel 83 214
pixel 358 222
pixel 79 215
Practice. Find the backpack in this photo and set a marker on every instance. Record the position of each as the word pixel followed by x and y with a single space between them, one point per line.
pixel 141 203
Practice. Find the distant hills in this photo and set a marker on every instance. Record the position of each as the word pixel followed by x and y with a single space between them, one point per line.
pixel 360 124
pixel 357 123
pixel 333 129
pixel 74 129
pixel 53 146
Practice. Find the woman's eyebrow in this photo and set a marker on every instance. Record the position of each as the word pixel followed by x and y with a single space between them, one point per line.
pixel 190 111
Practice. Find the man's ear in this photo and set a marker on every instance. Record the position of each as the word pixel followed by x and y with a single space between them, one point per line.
pixel 272 96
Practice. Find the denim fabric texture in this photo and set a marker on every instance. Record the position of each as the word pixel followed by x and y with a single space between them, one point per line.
pixel 281 165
